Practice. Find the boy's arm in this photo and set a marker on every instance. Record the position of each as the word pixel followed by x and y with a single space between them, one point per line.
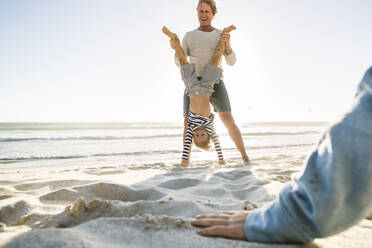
pixel 187 147
pixel 185 118
pixel 217 147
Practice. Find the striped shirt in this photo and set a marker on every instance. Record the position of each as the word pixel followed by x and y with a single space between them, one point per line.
pixel 193 122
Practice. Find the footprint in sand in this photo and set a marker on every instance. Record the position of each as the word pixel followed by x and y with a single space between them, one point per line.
pixel 105 191
pixel 181 183
pixel 233 175
pixel 53 185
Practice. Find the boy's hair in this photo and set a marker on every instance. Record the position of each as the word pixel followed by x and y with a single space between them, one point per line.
pixel 211 3
pixel 205 145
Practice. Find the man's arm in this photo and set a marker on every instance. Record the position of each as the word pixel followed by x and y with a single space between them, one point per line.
pixel 333 193
pixel 229 54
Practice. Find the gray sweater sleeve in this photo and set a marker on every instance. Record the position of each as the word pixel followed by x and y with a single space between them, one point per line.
pixel 335 190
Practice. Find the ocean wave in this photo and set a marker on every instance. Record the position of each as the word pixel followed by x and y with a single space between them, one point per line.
pixel 279 146
pixel 86 126
pixel 109 137
pixel 271 147
pixel 89 138
pixel 280 133
pixel 287 124
pixel 58 126
pixel 4 160
pixel 74 156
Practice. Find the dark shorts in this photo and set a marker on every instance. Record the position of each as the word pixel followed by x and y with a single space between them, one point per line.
pixel 219 99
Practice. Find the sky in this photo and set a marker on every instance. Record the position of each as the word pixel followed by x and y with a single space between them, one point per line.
pixel 107 60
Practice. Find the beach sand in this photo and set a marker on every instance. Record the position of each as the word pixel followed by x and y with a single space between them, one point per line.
pixel 149 206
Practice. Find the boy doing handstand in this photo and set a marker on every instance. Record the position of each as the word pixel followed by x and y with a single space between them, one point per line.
pixel 200 121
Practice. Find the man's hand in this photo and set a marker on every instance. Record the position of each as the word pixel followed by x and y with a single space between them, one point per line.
pixel 228 224
pixel 174 43
pixel 225 37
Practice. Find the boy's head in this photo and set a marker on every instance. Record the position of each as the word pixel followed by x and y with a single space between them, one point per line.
pixel 202 139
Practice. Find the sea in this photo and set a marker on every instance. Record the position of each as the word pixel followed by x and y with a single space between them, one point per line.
pixel 136 144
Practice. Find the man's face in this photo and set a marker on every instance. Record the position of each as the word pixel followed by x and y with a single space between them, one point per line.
pixel 205 14
pixel 200 135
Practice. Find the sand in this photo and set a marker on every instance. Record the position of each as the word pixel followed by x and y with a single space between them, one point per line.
pixel 146 206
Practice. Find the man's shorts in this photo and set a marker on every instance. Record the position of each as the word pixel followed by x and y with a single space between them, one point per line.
pixel 200 85
pixel 219 99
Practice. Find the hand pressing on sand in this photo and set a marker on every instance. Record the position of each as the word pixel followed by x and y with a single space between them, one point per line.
pixel 228 224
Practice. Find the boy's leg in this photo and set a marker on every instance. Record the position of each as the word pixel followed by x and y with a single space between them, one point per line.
pixel 221 104
pixel 179 51
pixel 220 48
pixel 188 74
pixel 210 77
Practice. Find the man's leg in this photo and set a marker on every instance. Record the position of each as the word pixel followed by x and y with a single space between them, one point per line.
pixel 234 132
pixel 221 103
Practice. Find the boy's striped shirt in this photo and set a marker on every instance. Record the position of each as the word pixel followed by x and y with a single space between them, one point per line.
pixel 193 122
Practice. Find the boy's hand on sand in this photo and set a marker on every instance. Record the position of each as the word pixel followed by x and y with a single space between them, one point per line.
pixel 221 162
pixel 228 224
pixel 185 163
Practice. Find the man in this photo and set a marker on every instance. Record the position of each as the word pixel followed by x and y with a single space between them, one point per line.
pixel 333 193
pixel 199 45
pixel 200 128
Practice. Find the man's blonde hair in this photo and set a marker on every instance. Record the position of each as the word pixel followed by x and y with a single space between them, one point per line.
pixel 211 3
